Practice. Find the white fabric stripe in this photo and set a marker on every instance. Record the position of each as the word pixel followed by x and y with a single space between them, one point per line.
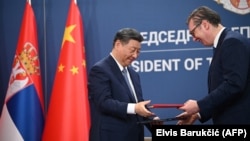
pixel 8 130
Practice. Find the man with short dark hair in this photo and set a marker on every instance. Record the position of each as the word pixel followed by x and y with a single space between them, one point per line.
pixel 228 98
pixel 115 93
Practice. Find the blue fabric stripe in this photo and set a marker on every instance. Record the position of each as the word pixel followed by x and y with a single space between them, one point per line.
pixel 26 111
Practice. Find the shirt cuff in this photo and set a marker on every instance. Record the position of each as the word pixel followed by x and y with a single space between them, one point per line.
pixel 199 116
pixel 131 108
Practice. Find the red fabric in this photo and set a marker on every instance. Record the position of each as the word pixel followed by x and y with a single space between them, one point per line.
pixel 68 117
pixel 27 50
pixel 166 105
pixel 24 97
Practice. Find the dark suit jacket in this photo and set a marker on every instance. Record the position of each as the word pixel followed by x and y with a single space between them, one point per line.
pixel 109 96
pixel 228 100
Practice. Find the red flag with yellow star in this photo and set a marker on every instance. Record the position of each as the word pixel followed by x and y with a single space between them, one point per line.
pixel 68 117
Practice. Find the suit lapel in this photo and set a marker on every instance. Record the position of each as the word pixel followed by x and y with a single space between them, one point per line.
pixel 215 55
pixel 115 68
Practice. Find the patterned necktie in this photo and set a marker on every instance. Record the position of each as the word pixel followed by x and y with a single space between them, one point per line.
pixel 125 74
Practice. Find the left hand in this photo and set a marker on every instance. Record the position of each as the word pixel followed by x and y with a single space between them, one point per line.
pixel 156 121
pixel 187 119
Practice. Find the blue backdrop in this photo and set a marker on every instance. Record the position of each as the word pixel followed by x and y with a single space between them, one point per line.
pixel 172 67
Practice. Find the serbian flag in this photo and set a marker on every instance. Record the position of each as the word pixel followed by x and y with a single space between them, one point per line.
pixel 68 117
pixel 22 116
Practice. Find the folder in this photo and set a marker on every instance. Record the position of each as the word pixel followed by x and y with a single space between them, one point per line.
pixel 161 120
pixel 165 106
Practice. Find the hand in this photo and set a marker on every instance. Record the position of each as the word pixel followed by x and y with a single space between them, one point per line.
pixel 190 107
pixel 187 119
pixel 140 109
pixel 156 121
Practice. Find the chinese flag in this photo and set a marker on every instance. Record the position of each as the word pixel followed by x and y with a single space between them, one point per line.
pixel 68 117
pixel 22 116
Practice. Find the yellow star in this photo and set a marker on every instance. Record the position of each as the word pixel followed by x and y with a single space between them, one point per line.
pixel 67 34
pixel 60 68
pixel 74 70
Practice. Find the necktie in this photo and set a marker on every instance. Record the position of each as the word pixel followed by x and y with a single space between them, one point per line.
pixel 125 74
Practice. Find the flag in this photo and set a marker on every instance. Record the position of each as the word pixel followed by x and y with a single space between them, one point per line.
pixel 23 110
pixel 68 117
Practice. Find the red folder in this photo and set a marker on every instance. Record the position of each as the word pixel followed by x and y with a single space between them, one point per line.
pixel 165 105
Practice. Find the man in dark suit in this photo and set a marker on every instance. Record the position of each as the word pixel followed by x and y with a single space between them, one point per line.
pixel 228 98
pixel 118 106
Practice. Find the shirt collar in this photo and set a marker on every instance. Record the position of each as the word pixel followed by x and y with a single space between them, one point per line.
pixel 216 40
pixel 119 65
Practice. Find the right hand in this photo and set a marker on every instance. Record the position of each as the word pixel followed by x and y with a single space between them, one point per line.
pixel 190 107
pixel 140 109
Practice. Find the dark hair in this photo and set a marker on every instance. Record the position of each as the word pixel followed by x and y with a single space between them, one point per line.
pixel 126 34
pixel 204 13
